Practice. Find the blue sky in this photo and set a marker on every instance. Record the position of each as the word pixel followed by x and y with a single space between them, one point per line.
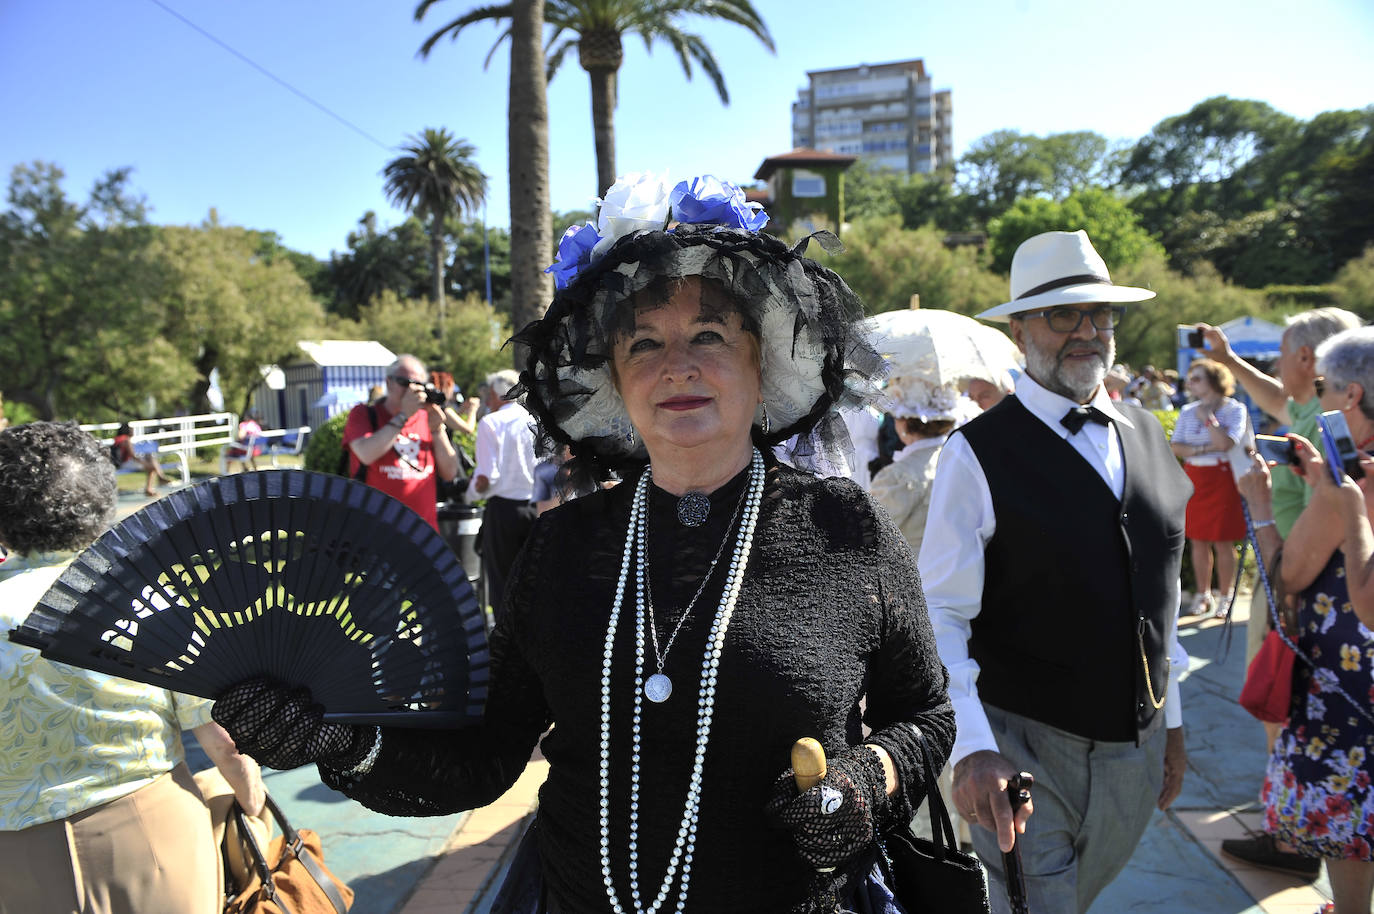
pixel 94 84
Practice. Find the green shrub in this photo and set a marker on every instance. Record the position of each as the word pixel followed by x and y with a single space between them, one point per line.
pixel 1305 297
pixel 326 443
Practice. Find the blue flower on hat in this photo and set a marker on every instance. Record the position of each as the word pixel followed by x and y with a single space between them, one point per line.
pixel 707 199
pixel 574 253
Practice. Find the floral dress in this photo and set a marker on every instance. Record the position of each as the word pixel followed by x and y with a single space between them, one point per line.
pixel 1317 791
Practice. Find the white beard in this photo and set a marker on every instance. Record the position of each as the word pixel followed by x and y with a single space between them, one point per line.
pixel 1076 381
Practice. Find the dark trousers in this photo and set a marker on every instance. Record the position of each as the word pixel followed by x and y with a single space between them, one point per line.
pixel 505 525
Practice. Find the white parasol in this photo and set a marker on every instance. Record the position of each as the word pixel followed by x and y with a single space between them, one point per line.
pixel 942 348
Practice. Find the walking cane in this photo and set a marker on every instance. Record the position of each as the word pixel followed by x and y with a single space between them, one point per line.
pixel 1018 792
pixel 808 767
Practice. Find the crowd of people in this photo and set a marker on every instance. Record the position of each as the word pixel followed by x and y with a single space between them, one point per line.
pixel 666 636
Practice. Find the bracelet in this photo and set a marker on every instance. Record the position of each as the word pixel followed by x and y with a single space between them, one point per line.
pixel 1264 523
pixel 365 766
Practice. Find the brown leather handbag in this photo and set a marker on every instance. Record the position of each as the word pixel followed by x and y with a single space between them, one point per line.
pixel 290 877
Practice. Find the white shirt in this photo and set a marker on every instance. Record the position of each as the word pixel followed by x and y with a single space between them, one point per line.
pixel 959 526
pixel 505 454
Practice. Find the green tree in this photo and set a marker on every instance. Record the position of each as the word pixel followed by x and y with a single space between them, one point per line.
pixel 1149 333
pixel 920 199
pixel 886 264
pixel 471 351
pixel 435 178
pixel 376 261
pixel 80 301
pixel 1205 159
pixel 468 270
pixel 1353 287
pixel 1113 227
pixel 595 29
pixel 230 308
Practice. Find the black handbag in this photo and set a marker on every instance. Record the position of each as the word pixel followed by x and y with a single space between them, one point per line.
pixel 934 875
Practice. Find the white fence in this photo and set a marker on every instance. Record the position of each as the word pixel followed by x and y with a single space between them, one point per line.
pixel 178 436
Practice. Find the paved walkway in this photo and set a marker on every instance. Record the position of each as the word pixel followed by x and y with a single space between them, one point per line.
pixel 453 864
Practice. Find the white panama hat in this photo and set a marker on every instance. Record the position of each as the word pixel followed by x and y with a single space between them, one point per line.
pixel 1060 268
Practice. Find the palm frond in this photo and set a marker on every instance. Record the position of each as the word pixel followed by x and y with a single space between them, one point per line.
pixel 554 59
pixel 481 14
pixel 486 62
pixel 698 49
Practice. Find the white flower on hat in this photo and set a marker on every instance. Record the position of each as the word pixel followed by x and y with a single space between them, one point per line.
pixel 636 202
pixel 915 397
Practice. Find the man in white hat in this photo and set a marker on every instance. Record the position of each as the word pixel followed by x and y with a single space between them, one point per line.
pixel 1050 564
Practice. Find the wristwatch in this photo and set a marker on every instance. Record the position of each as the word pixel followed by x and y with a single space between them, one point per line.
pixel 399 420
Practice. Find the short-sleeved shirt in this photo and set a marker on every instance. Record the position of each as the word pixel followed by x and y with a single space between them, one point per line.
pixel 406 471
pixel 71 739
pixel 1291 494
pixel 1190 429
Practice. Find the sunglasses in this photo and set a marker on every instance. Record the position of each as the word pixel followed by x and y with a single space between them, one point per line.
pixel 1068 320
pixel 400 381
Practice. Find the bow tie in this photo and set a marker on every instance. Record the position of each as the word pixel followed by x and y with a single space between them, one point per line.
pixel 1073 419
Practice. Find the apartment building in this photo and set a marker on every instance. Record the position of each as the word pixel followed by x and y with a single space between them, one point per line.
pixel 886 114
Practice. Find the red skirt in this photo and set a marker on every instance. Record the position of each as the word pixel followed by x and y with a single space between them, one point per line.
pixel 1214 513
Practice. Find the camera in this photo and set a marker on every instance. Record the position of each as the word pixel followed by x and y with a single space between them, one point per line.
pixel 1339 445
pixel 434 395
pixel 1189 337
pixel 1276 449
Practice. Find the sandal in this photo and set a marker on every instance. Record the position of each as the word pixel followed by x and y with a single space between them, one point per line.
pixel 1204 604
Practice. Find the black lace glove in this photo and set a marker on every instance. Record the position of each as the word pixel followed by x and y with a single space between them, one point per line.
pixel 284 728
pixel 833 822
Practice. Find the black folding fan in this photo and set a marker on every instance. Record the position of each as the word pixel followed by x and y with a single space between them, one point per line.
pixel 306 578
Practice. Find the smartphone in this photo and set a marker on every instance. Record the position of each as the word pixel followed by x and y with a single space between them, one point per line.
pixel 1190 337
pixel 1276 449
pixel 1339 445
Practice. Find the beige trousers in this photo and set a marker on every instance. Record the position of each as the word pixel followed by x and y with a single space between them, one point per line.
pixel 150 852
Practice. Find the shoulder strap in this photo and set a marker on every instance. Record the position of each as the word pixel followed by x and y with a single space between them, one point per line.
pixel 361 475
pixel 291 841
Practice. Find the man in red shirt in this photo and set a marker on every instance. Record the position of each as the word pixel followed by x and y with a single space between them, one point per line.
pixel 407 446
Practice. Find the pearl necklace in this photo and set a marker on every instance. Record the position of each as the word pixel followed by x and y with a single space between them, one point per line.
pixel 635 539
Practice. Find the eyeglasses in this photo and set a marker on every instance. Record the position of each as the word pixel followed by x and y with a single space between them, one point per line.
pixel 1068 320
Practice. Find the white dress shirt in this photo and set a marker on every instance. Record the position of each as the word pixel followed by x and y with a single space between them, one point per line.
pixel 960 524
pixel 505 454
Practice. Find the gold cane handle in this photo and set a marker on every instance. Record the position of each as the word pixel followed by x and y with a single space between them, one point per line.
pixel 808 763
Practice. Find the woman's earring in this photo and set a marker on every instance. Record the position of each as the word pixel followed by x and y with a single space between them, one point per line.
pixel 630 438
pixel 763 426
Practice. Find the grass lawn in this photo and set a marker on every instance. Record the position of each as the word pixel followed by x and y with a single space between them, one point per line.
pixel 201 468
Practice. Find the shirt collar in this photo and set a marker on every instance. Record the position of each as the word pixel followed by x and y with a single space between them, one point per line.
pixel 1050 407
pixel 920 444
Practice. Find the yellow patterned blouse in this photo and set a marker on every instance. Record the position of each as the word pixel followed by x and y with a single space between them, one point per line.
pixel 71 739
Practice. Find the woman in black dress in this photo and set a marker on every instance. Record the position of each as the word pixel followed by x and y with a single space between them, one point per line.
pixel 680 631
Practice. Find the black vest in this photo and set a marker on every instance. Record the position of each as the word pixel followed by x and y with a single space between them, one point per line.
pixel 1077 584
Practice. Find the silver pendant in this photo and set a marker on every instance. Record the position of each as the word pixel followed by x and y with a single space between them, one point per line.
pixel 657 688
pixel 692 509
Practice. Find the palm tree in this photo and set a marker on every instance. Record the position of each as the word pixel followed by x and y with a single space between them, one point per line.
pixel 597 28
pixel 435 177
pixel 531 234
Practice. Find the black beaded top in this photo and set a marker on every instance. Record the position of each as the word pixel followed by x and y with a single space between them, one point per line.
pixel 831 612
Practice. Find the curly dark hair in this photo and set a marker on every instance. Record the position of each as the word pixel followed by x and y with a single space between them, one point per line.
pixel 57 488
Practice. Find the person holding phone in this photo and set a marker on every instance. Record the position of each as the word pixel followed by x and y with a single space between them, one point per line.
pixel 1206 430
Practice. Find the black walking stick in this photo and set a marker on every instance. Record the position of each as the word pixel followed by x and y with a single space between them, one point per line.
pixel 1018 792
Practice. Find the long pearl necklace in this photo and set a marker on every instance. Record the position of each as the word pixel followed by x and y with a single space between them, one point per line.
pixel 635 539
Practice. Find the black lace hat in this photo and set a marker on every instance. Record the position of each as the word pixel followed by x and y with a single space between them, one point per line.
pixel 815 358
